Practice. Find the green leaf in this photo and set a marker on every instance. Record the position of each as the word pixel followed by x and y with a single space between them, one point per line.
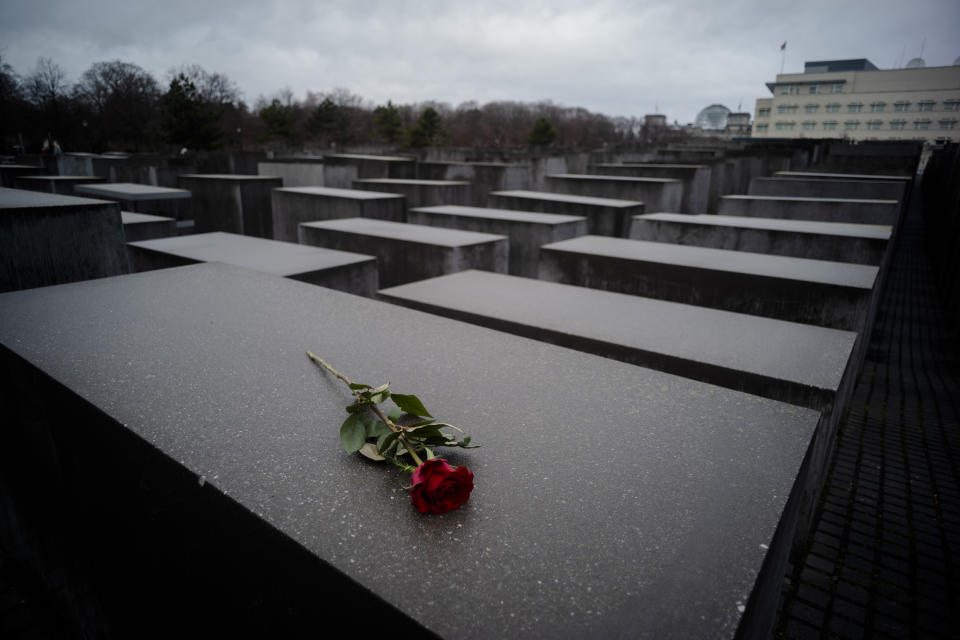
pixel 357 406
pixel 352 433
pixel 411 404
pixel 356 386
pixel 395 414
pixel 379 397
pixel 369 450
pixel 386 443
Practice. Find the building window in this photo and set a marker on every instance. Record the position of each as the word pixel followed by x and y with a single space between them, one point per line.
pixel 874 124
pixel 948 124
pixel 811 108
pixel 901 105
pixel 814 88
pixel 763 113
pixel 878 107
pixel 785 126
pixel 786 89
pixel 787 108
pixel 951 105
pixel 809 125
pixel 925 105
pixel 921 124
pixel 833 107
pixel 850 125
pixel 855 107
pixel 829 125
pixel 897 125
pixel 762 128
pixel 836 87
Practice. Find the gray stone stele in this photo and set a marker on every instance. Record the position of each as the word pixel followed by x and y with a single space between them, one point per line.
pixel 834 241
pixel 48 239
pixel 341 270
pixel 143 226
pixel 610 500
pixel 409 252
pixel 659 194
pixel 291 206
pixel 882 212
pixel 10 172
pixel 828 294
pixel 232 203
pixel 483 177
pixel 421 193
pixel 341 169
pixel 296 171
pixel 787 361
pixel 605 216
pixel 527 231
pixel 841 176
pixel 62 185
pixel 142 198
pixel 695 178
pixel 824 188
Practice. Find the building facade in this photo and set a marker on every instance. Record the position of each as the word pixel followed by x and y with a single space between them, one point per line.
pixel 853 99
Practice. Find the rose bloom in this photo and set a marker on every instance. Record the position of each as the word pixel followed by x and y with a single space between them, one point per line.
pixel 438 487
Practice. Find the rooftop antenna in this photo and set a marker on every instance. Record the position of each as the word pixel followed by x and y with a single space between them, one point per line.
pixel 740 104
pixel 783 55
pixel 923 45
pixel 903 52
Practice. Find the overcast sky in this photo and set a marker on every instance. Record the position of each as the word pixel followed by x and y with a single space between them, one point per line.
pixel 617 57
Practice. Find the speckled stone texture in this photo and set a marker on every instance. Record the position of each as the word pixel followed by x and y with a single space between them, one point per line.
pixel 340 270
pixel 695 178
pixel 786 361
pixel 421 193
pixel 175 415
pixel 52 239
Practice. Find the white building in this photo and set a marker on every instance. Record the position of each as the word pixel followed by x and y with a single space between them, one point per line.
pixel 853 99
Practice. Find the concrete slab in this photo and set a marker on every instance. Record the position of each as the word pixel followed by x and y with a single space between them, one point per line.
pixel 341 270
pixel 824 188
pixel 659 194
pixel 408 252
pixel 882 212
pixel 143 226
pixel 62 185
pixel 835 241
pixel 796 363
pixel 828 294
pixel 605 216
pixel 205 433
pixel 142 198
pixel 232 203
pixel 483 177
pixel 695 179
pixel 296 171
pixel 526 231
pixel 421 193
pixel 10 172
pixel 341 169
pixel 291 206
pixel 841 176
pixel 48 239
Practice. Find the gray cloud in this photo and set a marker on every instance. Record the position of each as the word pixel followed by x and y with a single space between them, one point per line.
pixel 616 57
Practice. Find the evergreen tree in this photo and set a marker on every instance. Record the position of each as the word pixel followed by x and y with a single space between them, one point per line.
pixel 543 132
pixel 388 123
pixel 429 129
pixel 280 120
pixel 329 122
pixel 186 119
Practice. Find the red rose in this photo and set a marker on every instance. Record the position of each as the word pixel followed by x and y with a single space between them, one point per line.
pixel 438 487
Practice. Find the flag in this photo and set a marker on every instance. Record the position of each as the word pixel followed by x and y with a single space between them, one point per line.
pixel 783 46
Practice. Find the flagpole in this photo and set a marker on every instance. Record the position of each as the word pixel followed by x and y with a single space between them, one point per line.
pixel 783 56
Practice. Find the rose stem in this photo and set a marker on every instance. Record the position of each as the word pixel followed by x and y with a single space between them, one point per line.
pixel 376 409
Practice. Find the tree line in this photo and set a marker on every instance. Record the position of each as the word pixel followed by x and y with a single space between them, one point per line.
pixel 117 105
